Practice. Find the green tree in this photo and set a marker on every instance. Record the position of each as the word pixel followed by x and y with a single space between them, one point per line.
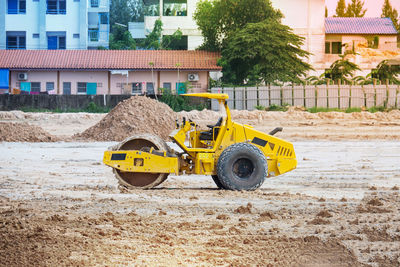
pixel 156 41
pixel 342 69
pixel 389 12
pixel 171 42
pixel 255 46
pixel 125 11
pixel 121 39
pixel 341 9
pixel 218 19
pixel 153 39
pixel 263 52
pixel 119 13
pixel 384 72
pixel 355 9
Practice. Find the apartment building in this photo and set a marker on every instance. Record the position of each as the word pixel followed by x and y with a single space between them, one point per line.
pixel 174 14
pixel 54 24
pixel 306 19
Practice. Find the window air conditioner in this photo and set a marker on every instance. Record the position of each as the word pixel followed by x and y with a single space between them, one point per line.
pixel 22 76
pixel 193 77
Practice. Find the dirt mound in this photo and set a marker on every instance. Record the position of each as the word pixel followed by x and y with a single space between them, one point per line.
pixel 138 114
pixel 23 132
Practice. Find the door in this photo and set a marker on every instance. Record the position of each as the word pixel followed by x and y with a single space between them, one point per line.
pixel 52 42
pixel 180 88
pixel 25 87
pixel 91 89
pixel 66 88
pixel 150 88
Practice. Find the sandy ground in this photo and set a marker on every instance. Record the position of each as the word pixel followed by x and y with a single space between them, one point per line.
pixel 341 207
pixel 297 125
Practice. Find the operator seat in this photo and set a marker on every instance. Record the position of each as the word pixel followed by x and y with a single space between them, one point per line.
pixel 209 134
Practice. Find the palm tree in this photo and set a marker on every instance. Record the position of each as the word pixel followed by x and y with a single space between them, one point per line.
pixel 341 70
pixel 386 73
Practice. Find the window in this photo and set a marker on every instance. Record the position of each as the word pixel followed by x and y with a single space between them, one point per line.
pixel 16 40
pixel 175 8
pixel 333 47
pixel 16 6
pixel 167 86
pixel 35 87
pixel 151 8
pixel 82 88
pixel 56 7
pixel 49 86
pixel 66 88
pixel 93 35
pixel 327 48
pixel 103 17
pixel 76 35
pixel 94 3
pixel 136 88
pixel 35 35
pixel 56 40
pixel 150 88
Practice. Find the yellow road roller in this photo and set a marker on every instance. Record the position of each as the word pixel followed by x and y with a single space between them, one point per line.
pixel 236 156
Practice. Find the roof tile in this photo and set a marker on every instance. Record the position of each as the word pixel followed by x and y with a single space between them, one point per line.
pixel 108 59
pixel 359 26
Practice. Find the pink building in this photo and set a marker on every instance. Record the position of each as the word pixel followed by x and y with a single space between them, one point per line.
pixel 105 71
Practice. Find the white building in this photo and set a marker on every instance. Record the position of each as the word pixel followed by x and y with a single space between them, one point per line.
pixel 54 24
pixel 305 17
pixel 174 14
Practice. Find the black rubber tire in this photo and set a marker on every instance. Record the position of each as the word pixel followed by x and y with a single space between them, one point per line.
pixel 242 166
pixel 217 181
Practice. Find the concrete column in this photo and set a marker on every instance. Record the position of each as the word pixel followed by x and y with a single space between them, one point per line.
pixel 309 29
pixel 83 25
pixel 42 24
pixel 3 35
pixel 161 8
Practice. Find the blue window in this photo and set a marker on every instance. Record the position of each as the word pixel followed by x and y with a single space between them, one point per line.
pixel 94 3
pixel 16 6
pixel 56 40
pixel 4 78
pixel 56 7
pixel 93 35
pixel 16 40
pixel 103 18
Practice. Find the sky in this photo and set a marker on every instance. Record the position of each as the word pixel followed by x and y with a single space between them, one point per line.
pixel 374 7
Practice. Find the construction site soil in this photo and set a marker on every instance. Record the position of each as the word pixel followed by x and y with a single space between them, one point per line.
pixel 23 132
pixel 138 114
pixel 59 205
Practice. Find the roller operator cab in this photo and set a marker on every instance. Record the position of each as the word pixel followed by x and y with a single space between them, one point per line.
pixel 236 156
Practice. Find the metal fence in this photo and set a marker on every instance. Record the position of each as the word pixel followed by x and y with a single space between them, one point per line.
pixel 324 96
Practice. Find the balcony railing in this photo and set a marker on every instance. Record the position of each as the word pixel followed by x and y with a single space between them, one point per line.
pixel 99 3
pixel 56 11
pixel 96 35
pixel 16 11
